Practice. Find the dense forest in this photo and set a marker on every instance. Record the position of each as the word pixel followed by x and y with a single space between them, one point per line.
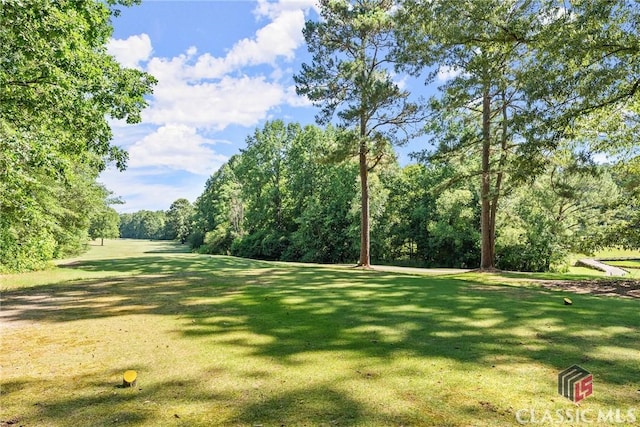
pixel 284 198
pixel 531 146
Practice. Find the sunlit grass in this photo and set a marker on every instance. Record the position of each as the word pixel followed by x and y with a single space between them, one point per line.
pixel 627 259
pixel 115 249
pixel 631 263
pixel 612 253
pixel 632 266
pixel 232 342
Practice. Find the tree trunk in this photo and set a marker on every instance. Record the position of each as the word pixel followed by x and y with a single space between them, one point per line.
pixel 486 252
pixel 364 215
pixel 504 139
pixel 102 241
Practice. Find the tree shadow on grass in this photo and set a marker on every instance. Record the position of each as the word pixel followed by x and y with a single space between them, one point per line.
pixel 101 403
pixel 383 315
pixel 196 264
pixel 170 247
pixel 370 314
pixel 176 403
pixel 295 408
pixel 306 308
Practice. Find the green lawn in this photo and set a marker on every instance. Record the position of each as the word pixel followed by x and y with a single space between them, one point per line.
pixel 612 253
pixel 631 265
pixel 231 342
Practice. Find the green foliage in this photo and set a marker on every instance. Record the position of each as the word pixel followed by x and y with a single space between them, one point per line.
pixel 409 207
pixel 74 206
pixel 144 224
pixel 589 58
pixel 431 220
pixel 179 220
pixel 285 198
pixel 279 199
pixel 262 244
pixel 218 212
pixel 625 223
pixel 328 227
pixel 351 77
pixel 25 246
pixel 487 45
pixel 105 224
pixel 58 89
pixel 174 224
pixel 529 241
pixel 454 229
pixel 571 209
pixel 522 76
pixel 264 174
pixel 60 85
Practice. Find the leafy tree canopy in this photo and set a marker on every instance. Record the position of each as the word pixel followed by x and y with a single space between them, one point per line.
pixel 58 89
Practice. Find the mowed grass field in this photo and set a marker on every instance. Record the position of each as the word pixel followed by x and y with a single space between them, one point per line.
pixel 222 341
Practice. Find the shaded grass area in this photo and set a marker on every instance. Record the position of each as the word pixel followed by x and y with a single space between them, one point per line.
pixel 227 341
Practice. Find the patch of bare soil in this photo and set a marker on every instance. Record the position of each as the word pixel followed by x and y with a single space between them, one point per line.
pixel 624 288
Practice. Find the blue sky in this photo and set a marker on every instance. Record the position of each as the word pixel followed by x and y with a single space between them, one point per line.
pixel 223 69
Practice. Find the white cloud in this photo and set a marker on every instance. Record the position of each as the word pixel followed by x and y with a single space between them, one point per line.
pixel 192 51
pixel 243 101
pixel 278 39
pixel 150 190
pixel 203 91
pixel 198 96
pixel 177 147
pixel 171 70
pixel 281 37
pixel 271 10
pixel 400 80
pixel 447 73
pixel 131 51
pixel 295 100
pixel 551 15
pixel 125 135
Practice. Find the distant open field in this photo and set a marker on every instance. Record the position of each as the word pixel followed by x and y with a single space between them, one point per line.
pixel 223 341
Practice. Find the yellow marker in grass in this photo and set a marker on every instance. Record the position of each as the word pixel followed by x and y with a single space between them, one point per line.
pixel 129 378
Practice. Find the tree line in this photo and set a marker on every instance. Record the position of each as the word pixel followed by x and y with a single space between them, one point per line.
pixel 535 89
pixel 284 197
pixel 174 224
